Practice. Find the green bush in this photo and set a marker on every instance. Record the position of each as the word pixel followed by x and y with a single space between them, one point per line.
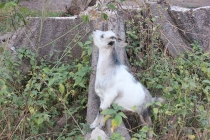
pixel 183 81
pixel 31 105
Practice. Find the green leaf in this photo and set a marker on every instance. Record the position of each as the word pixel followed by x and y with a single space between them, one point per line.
pixel 108 112
pixel 85 18
pixel 114 125
pixel 134 139
pixel 111 6
pixel 24 9
pixel 89 52
pixel 118 119
pixel 80 44
pixel 158 103
pixel 153 19
pixel 134 108
pixel 40 120
pixel 2 5
pixel 117 107
pixel 122 114
pixel 99 138
pixel 104 16
pixel 206 81
pixel 51 81
pixel 61 88
pixel 201 108
pixel 155 110
pixel 207 88
pixel 88 42
pixel 106 118
pixel 46 69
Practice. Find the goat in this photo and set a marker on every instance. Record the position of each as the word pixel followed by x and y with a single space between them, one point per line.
pixel 114 84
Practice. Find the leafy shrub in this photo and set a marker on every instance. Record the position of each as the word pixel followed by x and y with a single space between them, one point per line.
pixel 183 81
pixel 31 105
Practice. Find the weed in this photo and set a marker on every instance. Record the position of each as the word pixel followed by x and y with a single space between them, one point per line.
pixel 183 81
pixel 32 105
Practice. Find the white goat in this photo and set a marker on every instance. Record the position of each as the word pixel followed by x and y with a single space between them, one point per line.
pixel 114 84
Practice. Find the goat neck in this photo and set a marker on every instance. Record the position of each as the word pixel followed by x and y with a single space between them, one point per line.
pixel 107 60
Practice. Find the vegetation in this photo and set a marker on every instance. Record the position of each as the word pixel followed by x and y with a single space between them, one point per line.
pixel 50 100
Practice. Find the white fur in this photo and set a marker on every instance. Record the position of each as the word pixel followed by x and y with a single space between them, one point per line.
pixel 114 84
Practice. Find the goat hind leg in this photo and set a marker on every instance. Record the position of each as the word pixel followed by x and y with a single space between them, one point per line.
pixel 146 120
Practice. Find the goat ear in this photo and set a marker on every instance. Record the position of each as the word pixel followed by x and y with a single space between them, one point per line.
pixel 122 44
pixel 111 43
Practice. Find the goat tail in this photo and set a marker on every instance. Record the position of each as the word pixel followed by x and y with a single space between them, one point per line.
pixel 158 99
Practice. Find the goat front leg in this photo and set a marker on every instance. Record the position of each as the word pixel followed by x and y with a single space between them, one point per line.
pixel 105 104
pixel 97 121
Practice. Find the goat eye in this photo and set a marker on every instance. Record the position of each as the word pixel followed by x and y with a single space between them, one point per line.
pixel 112 37
pixel 102 36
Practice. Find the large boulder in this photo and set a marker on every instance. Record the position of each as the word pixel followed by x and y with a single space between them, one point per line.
pixel 182 26
pixel 52 37
pixel 193 24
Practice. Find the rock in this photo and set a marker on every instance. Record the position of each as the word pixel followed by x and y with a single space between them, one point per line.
pixel 182 26
pixel 193 24
pixel 52 38
pixel 189 3
pixel 56 34
pixel 98 133
pixel 170 35
pixel 78 6
pixel 52 5
pixel 4 38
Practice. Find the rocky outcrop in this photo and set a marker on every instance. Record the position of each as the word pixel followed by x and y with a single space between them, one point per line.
pixel 193 25
pixel 182 26
pixel 52 37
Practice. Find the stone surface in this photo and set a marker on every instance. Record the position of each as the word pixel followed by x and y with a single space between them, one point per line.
pixel 51 37
pixel 49 5
pixel 72 7
pixel 170 35
pixel 189 3
pixel 98 134
pixel 193 24
pixel 182 26
pixel 61 5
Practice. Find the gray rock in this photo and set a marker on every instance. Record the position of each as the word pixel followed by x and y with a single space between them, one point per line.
pixel 182 26
pixel 52 36
pixel 170 35
pixel 98 133
pixel 193 24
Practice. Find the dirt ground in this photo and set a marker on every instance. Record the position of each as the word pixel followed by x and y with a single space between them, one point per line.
pixel 59 5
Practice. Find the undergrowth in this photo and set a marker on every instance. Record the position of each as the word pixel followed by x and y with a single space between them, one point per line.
pixel 183 81
pixel 46 102
pixel 13 15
